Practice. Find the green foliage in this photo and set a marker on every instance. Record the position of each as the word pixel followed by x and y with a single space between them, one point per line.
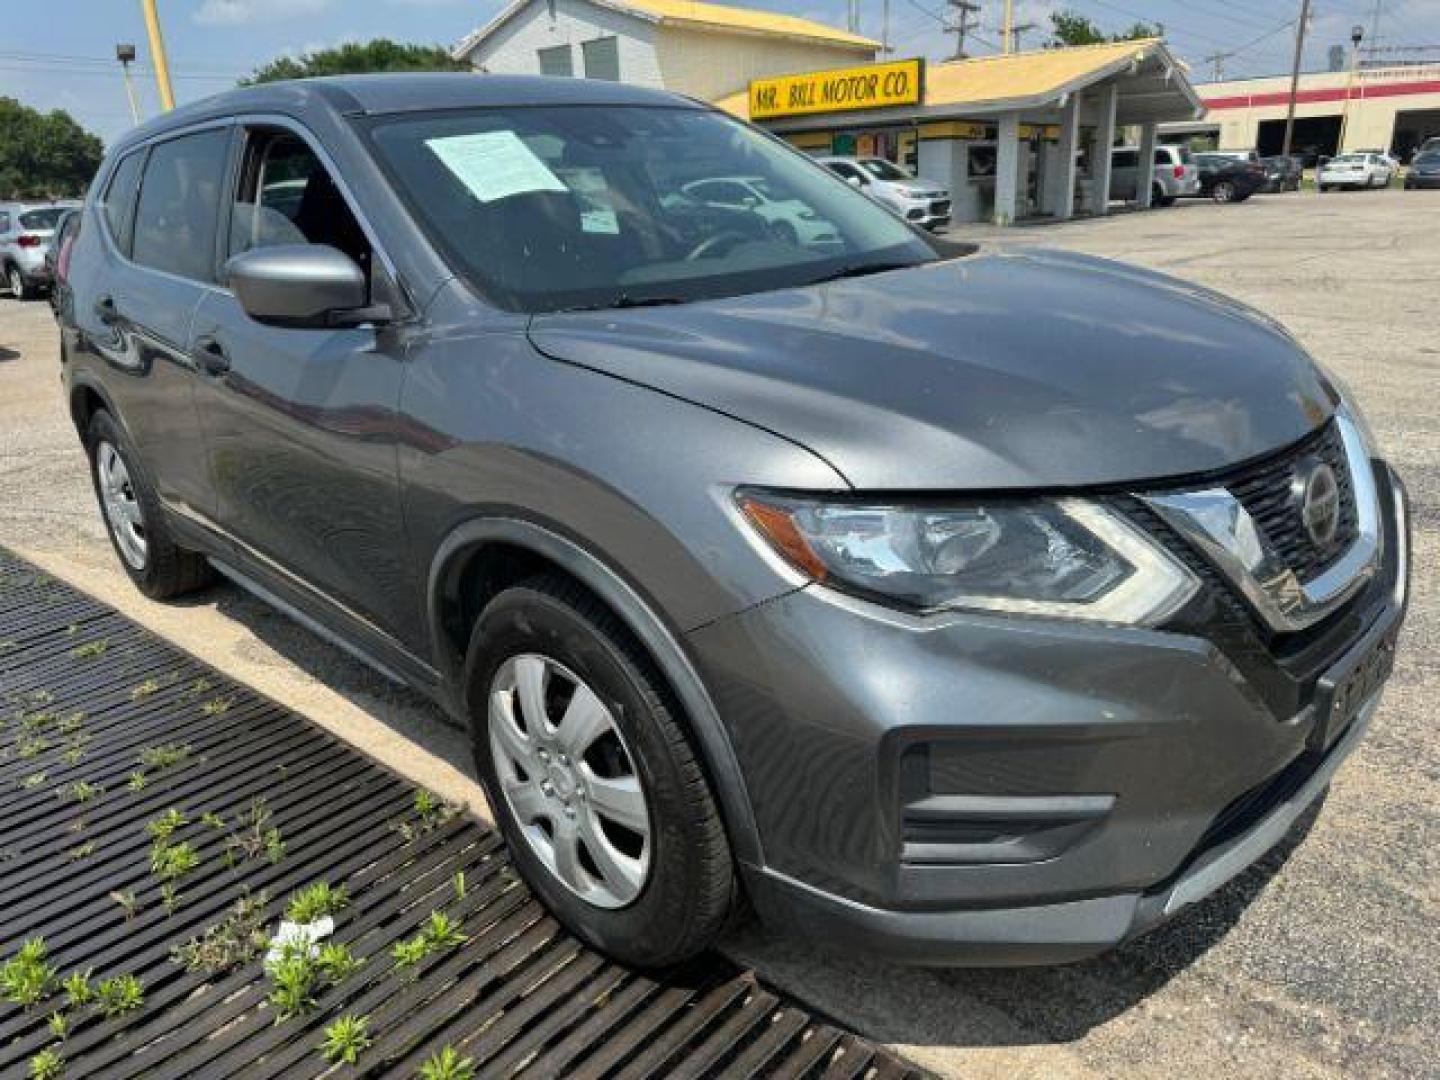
pixel 165 756
pixel 336 962
pixel 254 837
pixel 33 781
pixel 144 689
pixel 440 932
pixel 433 813
pixel 47 1065
pixel 44 155
pixel 26 977
pixel 1070 28
pixel 59 1025
pixel 236 939
pixel 315 901
pixel 128 902
pixel 137 782
pixel 81 851
pixel 448 1065
pixel 217 706
pixel 164 826
pixel 294 978
pixel 356 57
pixel 77 987
pixel 171 862
pixel 118 995
pixel 82 791
pixel 91 649
pixel 346 1039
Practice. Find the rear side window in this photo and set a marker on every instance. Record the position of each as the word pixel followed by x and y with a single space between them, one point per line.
pixel 180 203
pixel 118 205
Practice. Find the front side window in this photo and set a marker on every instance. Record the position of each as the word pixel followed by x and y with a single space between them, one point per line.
pixel 884 170
pixel 179 206
pixel 546 208
pixel 118 204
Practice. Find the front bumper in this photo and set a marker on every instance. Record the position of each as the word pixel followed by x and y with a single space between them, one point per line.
pixel 989 791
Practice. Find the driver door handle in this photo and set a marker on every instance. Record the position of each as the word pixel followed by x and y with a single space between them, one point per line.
pixel 106 311
pixel 211 356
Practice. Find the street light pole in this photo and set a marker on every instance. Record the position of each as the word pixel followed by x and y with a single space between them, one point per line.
pixel 125 53
pixel 1295 77
pixel 157 54
pixel 1357 35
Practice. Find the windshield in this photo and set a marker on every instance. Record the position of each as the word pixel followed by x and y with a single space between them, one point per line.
pixel 1430 158
pixel 551 208
pixel 1348 159
pixel 42 219
pixel 884 170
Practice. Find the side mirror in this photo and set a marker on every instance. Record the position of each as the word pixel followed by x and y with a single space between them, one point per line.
pixel 302 286
pixel 854 181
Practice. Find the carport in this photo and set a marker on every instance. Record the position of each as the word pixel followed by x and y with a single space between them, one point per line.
pixel 1013 136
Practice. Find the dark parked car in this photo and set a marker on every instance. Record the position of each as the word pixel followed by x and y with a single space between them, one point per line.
pixel 57 256
pixel 1229 179
pixel 983 609
pixel 1282 174
pixel 1424 171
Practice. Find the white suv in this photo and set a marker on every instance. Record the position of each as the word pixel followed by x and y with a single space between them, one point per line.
pixel 1175 175
pixel 25 232
pixel 919 202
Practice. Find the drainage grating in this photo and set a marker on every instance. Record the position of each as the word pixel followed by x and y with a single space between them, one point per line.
pixel 143 796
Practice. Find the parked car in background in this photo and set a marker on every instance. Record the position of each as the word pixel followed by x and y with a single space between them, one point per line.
pixel 787 219
pixel 1424 171
pixel 25 232
pixel 1429 146
pixel 1356 171
pixel 980 609
pixel 1175 175
pixel 1282 174
pixel 1228 179
pixel 1251 157
pixel 917 201
pixel 57 254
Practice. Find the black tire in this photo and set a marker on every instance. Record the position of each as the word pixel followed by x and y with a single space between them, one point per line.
pixel 691 887
pixel 1223 192
pixel 15 281
pixel 168 569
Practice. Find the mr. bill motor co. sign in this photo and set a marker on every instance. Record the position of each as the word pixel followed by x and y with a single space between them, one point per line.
pixel 870 86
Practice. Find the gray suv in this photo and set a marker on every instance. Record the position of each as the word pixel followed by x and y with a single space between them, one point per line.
pixel 965 608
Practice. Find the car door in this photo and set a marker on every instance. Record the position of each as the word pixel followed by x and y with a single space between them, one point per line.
pixel 154 261
pixel 302 423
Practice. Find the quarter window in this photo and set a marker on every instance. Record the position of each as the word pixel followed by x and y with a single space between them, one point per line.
pixel 118 204
pixel 175 220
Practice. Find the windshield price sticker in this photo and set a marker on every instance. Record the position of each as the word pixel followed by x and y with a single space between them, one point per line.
pixel 494 164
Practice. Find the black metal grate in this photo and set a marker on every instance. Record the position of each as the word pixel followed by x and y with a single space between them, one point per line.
pixel 84 693
pixel 1266 492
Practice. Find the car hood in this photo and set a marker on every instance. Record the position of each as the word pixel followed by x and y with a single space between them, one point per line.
pixel 1037 370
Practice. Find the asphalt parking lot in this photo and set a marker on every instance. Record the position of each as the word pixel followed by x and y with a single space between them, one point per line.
pixel 1322 961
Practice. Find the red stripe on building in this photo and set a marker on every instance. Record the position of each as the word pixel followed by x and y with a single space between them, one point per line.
pixel 1338 93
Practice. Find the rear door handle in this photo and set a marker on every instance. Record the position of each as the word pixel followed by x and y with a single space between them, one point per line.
pixel 106 311
pixel 211 356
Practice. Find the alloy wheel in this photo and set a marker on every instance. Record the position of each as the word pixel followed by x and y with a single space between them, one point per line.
pixel 1224 191
pixel 16 283
pixel 121 506
pixel 569 779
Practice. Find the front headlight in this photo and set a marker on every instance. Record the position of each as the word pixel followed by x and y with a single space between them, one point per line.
pixel 1066 558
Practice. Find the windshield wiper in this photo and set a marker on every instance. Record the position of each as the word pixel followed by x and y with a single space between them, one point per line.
pixel 852 270
pixel 626 300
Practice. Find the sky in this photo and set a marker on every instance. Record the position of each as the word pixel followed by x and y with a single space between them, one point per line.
pixel 60 53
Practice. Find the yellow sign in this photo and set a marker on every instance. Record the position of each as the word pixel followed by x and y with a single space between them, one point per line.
pixel 870 86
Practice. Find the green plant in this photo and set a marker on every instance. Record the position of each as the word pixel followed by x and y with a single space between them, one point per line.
pixel 254 837
pixel 164 756
pixel 236 939
pixel 448 1065
pixel 212 820
pixel 346 1039
pixel 81 851
pixel 26 978
pixel 439 932
pixel 144 689
pixel 47 1065
pixel 164 826
pixel 77 987
pixel 170 897
pixel 75 750
pixel 128 902
pixel 82 791
pixel 91 649
pixel 218 705
pixel 31 746
pixel 59 1025
pixel 432 811
pixel 294 977
pixel 459 884
pixel 70 723
pixel 315 901
pixel 410 952
pixel 137 782
pixel 119 994
pixel 336 962
pixel 33 781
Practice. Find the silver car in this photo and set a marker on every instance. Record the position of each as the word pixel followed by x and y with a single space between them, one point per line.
pixel 25 233
pixel 1175 175
pixel 919 202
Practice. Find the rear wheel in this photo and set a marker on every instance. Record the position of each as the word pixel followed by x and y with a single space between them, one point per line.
pixel 158 566
pixel 15 282
pixel 1223 192
pixel 593 781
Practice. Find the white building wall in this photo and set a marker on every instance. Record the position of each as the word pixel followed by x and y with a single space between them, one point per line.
pixel 514 48
pixel 711 65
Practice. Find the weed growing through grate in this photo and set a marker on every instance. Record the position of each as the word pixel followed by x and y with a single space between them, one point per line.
pixel 78 989
pixel 169 862
pixel 336 962
pixel 439 933
pixel 91 650
pixel 33 781
pixel 81 851
pixel 47 1065
pixel 137 781
pixel 217 706
pixel 31 746
pixel 448 1065
pixel 236 939
pixel 82 792
pixel 145 689
pixel 128 902
pixel 346 1039
pixel 165 756
pixel 118 995
pixel 433 813
pixel 254 837
pixel 26 978
pixel 315 901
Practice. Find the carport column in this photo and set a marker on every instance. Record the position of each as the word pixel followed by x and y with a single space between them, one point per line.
pixel 1145 178
pixel 1064 188
pixel 1104 140
pixel 1007 167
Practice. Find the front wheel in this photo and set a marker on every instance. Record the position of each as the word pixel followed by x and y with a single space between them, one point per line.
pixel 1223 192
pixel 592 779
pixel 158 566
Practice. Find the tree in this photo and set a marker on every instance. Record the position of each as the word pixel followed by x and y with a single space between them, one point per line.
pixel 1070 28
pixel 357 57
pixel 44 155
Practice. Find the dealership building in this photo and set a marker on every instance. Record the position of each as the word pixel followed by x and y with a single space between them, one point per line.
pixel 1391 108
pixel 1011 137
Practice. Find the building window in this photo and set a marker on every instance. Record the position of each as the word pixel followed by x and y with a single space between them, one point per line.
pixel 602 59
pixel 556 61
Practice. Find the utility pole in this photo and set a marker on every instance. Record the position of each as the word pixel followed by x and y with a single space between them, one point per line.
pixel 1016 32
pixel 1295 76
pixel 962 23
pixel 885 29
pixel 1217 65
pixel 125 53
pixel 1357 35
pixel 157 55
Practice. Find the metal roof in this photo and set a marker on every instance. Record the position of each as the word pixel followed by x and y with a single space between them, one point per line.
pixel 1033 79
pixel 720 18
